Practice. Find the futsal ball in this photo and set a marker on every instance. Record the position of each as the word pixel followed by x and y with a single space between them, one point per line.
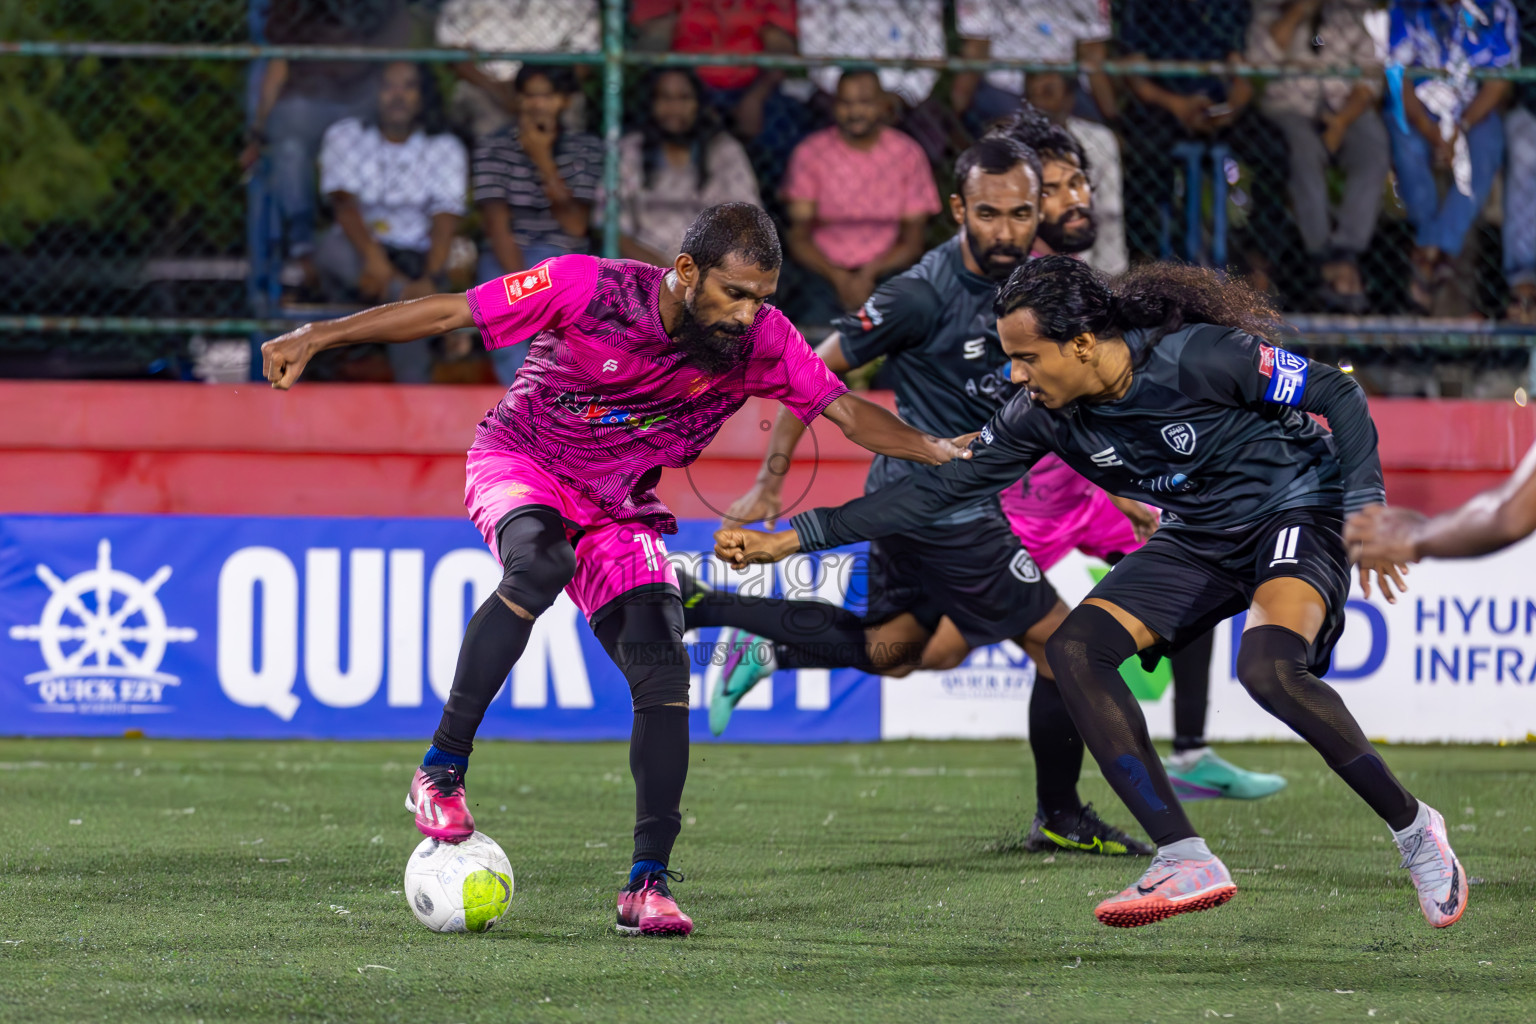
pixel 459 887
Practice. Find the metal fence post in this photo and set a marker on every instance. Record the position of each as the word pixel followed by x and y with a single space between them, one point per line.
pixel 613 114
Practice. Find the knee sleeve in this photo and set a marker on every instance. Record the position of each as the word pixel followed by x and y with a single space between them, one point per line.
pixel 537 560
pixel 1088 638
pixel 644 637
pixel 1271 661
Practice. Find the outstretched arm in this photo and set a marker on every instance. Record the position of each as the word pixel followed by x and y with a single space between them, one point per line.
pixel 1002 455
pixel 884 433
pixel 284 357
pixel 1489 522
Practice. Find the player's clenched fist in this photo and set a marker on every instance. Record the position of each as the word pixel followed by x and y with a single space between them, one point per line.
pixel 284 357
pixel 741 548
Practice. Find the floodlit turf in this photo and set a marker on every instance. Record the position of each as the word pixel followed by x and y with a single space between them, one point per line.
pixel 151 880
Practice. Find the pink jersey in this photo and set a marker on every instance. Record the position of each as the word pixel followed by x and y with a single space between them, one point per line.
pixel 605 399
pixel 1051 489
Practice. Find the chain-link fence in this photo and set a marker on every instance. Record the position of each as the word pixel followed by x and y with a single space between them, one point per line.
pixel 178 172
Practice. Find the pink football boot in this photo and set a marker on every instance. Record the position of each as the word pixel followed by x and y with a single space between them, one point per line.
pixel 437 800
pixel 646 907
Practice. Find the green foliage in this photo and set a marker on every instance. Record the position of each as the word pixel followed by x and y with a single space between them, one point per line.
pixel 143 148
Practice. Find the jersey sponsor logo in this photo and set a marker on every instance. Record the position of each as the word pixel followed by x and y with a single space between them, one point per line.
pixel 870 315
pixel 1285 546
pixel 993 385
pixel 586 407
pixel 610 366
pixel 527 282
pixel 1106 458
pixel 975 348
pixel 1287 374
pixel 1024 568
pixel 986 433
pixel 1266 359
pixel 1180 437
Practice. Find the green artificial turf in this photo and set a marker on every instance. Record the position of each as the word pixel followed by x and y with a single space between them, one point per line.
pixel 164 881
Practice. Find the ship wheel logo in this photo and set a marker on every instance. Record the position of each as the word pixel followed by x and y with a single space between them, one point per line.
pixel 101 630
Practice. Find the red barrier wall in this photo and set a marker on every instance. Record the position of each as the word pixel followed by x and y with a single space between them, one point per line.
pixel 386 450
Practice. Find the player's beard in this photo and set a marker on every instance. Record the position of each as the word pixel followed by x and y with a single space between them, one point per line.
pixel 986 259
pixel 716 347
pixel 1078 238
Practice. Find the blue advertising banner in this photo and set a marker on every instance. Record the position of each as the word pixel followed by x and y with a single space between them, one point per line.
pixel 336 628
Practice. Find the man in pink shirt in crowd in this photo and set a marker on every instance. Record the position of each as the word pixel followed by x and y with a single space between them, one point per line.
pixel 859 196
pixel 631 368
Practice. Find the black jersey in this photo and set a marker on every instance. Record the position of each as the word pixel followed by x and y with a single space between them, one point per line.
pixel 1214 430
pixel 935 326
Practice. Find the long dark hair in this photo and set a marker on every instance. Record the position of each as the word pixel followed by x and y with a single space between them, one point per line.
pixel 705 127
pixel 1070 298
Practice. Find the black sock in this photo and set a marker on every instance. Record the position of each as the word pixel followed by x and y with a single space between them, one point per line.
pixel 1272 666
pixel 1085 654
pixel 658 760
pixel 1057 749
pixel 808 634
pixel 493 642
pixel 1191 691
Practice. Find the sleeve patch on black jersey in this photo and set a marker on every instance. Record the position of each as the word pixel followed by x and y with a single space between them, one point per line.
pixel 1287 373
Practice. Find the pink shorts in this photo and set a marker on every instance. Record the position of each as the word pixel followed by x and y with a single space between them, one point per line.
pixel 1096 528
pixel 612 557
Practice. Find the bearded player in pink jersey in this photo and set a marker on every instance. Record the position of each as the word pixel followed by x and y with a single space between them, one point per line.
pixel 630 368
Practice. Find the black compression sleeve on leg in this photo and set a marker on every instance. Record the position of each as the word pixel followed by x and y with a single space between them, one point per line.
pixel 644 636
pixel 1057 749
pixel 537 562
pixel 809 634
pixel 493 642
pixel 1272 666
pixel 658 760
pixel 1191 690
pixel 1086 653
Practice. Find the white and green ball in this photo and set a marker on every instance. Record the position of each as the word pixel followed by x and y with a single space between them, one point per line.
pixel 459 887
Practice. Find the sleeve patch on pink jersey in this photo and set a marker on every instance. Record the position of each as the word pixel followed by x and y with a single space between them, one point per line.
pixel 527 282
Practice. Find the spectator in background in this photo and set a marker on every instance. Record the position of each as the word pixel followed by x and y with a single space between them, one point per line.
pixel 1449 124
pixel 1053 31
pixel 396 185
pixel 1520 190
pixel 749 98
pixel 1164 111
pixel 534 185
pixel 298 100
pixel 678 163
pixel 859 196
pixel 1327 121
pixel 1081 174
pixel 485 99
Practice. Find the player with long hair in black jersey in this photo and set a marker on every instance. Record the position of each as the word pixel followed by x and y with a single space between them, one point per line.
pixel 1167 388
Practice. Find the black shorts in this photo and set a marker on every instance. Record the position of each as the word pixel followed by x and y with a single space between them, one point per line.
pixel 1184 581
pixel 977 573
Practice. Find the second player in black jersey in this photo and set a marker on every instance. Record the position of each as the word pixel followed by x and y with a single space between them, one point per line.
pixel 1168 388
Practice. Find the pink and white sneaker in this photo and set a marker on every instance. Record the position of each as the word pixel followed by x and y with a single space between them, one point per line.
pixel 436 798
pixel 646 907
pixel 1437 874
pixel 1170 886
